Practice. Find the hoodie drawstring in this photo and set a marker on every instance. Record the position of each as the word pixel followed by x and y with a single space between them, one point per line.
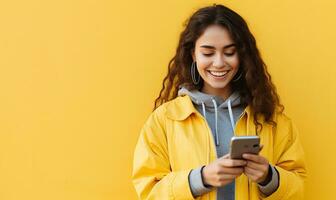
pixel 231 116
pixel 203 107
pixel 216 117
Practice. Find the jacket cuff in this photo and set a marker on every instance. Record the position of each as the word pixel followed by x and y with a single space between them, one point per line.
pixel 180 185
pixel 272 185
pixel 197 186
pixel 285 184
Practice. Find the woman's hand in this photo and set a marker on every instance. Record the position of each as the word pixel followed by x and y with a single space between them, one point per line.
pixel 257 167
pixel 222 171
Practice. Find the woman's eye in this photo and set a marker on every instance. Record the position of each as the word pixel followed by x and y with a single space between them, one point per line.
pixel 207 54
pixel 229 54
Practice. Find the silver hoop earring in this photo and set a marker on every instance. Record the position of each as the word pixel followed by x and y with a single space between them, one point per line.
pixel 236 79
pixel 194 75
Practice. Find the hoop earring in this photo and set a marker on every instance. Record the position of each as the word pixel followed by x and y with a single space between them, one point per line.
pixel 236 79
pixel 194 75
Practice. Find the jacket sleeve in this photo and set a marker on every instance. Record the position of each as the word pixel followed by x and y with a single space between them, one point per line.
pixel 290 164
pixel 152 176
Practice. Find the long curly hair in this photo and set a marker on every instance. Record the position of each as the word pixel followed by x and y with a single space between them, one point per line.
pixel 255 85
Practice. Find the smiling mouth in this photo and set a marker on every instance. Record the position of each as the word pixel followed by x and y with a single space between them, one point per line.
pixel 218 73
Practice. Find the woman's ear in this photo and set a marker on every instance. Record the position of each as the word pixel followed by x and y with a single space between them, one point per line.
pixel 192 52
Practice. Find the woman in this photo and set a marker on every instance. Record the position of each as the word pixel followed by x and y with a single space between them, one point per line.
pixel 217 87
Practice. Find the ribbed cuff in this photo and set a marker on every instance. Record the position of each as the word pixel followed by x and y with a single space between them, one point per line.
pixel 197 186
pixel 271 186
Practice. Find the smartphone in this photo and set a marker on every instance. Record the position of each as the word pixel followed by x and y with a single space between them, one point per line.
pixel 244 144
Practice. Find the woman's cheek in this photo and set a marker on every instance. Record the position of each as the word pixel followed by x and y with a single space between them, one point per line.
pixel 203 59
pixel 203 63
pixel 235 60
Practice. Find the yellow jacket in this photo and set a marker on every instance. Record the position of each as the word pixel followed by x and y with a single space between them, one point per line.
pixel 176 139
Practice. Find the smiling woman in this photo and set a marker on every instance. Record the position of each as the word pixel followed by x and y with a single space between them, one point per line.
pixel 217 60
pixel 217 87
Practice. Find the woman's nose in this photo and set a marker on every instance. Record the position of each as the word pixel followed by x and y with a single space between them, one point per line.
pixel 219 61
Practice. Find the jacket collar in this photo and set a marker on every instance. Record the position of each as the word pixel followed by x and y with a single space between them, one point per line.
pixel 182 107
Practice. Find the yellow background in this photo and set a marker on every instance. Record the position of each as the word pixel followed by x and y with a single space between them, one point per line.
pixel 78 79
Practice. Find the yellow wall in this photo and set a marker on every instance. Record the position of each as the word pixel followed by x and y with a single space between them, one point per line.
pixel 78 79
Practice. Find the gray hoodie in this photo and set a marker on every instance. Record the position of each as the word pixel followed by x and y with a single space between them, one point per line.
pixel 221 116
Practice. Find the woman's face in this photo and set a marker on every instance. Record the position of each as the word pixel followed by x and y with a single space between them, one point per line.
pixel 216 58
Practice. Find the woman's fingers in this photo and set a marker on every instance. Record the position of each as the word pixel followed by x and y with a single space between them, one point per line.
pixel 251 171
pixel 232 162
pixel 255 158
pixel 227 177
pixel 257 167
pixel 225 170
pixel 232 170
pixel 261 147
pixel 254 165
pixel 216 174
pixel 253 174
pixel 226 156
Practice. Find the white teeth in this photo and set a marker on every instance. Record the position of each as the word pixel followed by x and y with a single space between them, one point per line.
pixel 218 73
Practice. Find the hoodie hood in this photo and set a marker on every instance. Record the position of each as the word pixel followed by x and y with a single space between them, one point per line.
pixel 212 103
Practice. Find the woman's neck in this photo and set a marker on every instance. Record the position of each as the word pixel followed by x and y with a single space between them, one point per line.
pixel 221 92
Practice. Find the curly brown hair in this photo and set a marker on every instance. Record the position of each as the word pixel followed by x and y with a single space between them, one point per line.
pixel 255 86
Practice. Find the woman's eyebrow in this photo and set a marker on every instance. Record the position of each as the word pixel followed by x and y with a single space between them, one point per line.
pixel 212 47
